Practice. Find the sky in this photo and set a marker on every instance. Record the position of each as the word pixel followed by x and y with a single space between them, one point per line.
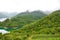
pixel 31 5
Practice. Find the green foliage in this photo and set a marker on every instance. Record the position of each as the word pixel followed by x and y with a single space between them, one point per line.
pixel 22 19
pixel 47 28
pixel 47 25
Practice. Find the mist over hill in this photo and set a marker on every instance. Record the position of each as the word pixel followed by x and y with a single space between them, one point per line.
pixel 7 15
pixel 12 14
pixel 2 15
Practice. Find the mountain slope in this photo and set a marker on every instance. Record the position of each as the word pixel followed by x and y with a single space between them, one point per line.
pixel 47 28
pixel 22 19
pixel 47 25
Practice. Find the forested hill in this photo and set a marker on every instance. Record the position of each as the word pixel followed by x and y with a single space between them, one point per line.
pixel 47 25
pixel 46 28
pixel 22 19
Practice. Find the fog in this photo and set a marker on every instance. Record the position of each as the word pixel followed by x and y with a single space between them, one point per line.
pixel 31 5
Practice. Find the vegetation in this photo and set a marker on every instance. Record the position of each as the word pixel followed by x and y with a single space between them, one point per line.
pixel 22 19
pixel 46 28
pixel 47 25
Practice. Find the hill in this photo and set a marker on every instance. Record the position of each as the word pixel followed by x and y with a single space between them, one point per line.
pixel 22 19
pixel 47 25
pixel 46 28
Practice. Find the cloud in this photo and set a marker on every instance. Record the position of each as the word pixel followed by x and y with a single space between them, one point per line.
pixel 23 5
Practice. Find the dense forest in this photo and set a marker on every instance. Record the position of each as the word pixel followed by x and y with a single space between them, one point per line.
pixel 34 26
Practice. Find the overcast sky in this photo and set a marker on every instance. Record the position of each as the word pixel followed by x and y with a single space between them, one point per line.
pixel 23 5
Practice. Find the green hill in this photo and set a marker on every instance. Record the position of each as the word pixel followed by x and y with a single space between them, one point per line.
pixel 47 25
pixel 46 28
pixel 22 19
